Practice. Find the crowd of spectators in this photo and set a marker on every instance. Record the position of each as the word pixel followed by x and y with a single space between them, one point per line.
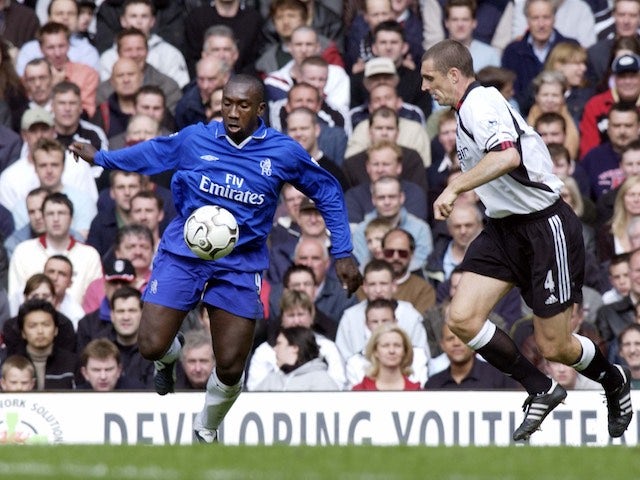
pixel 343 79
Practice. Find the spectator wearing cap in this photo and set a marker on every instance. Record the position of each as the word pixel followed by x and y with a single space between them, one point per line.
pixel 381 82
pixel 97 323
pixel 626 88
pixel 389 42
pixel 411 127
pixel 19 178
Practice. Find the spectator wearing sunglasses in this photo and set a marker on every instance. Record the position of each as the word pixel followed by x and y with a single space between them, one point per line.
pixel 388 199
pixel 397 247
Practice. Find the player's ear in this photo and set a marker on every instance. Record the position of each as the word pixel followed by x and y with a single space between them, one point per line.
pixel 261 108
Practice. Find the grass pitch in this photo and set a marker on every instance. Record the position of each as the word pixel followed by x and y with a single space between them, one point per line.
pixel 200 462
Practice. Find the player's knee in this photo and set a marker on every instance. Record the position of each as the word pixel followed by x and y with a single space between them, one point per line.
pixel 462 324
pixel 151 348
pixel 229 372
pixel 556 352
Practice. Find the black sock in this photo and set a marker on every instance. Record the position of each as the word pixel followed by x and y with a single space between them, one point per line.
pixel 603 372
pixel 502 353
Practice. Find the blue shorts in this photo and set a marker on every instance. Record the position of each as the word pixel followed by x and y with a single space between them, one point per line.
pixel 179 282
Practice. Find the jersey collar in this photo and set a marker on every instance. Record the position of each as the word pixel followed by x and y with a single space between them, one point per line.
pixel 469 88
pixel 259 134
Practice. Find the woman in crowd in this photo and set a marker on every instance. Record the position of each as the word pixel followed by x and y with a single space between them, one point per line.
pixel 570 59
pixel 390 352
pixel 613 237
pixel 549 88
pixel 300 367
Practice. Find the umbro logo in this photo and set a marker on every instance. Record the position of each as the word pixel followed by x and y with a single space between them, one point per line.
pixel 552 299
pixel 209 158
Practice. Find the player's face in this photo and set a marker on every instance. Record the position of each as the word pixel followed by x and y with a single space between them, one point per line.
pixel 102 374
pixel 550 97
pixel 457 351
pixel 285 354
pixel 136 249
pixel 123 189
pixel 438 84
pixel 16 380
pixel 39 329
pixel 59 272
pixel 619 277
pixel 49 167
pixel 390 45
pixel 241 107
pixel 623 128
pixel 55 47
pixel 630 348
pixel 302 282
pixel 630 163
pixel 38 81
pixel 540 19
pixel 387 199
pixel 146 212
pixel 67 108
pixel 382 163
pixel 383 128
pixel 390 350
pixel 125 317
pixel 460 24
pixel 379 284
pixel 378 316
pixel 296 316
pixel 57 219
pixel 626 16
pixel 198 364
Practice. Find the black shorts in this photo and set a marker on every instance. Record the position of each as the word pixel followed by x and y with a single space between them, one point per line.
pixel 542 253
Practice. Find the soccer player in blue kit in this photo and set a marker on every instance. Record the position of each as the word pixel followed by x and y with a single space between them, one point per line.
pixel 241 165
pixel 532 239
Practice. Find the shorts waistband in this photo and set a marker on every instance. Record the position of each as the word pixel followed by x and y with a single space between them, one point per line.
pixel 531 217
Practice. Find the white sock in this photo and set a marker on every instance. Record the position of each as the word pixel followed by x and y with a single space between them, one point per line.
pixel 170 356
pixel 218 400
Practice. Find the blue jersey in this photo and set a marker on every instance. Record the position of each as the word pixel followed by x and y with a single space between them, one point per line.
pixel 245 179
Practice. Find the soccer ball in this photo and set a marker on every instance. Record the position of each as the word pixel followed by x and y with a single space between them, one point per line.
pixel 211 232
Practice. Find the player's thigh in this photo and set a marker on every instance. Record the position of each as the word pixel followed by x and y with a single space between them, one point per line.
pixel 475 297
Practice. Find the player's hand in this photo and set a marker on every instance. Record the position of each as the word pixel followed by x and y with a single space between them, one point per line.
pixel 443 206
pixel 348 274
pixel 82 150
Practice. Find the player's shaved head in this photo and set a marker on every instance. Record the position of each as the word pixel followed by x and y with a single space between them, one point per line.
pixel 251 83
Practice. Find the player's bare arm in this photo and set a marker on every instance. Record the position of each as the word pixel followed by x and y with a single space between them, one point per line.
pixel 82 150
pixel 348 273
pixel 493 165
